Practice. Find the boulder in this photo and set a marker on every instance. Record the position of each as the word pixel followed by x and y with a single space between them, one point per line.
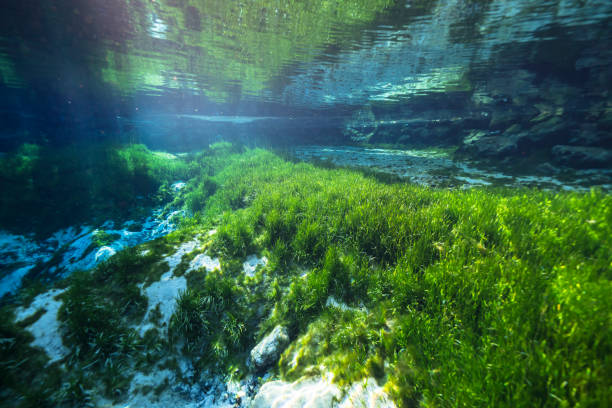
pixel 268 351
pixel 582 156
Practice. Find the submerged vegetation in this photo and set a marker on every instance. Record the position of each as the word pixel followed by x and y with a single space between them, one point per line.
pixel 481 297
pixel 210 318
pixel 45 189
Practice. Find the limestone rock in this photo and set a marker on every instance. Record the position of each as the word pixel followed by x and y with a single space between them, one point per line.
pixel 368 394
pixel 268 351
pixel 104 253
pixel 311 393
pixel 321 393
pixel 252 262
pixel 47 329
pixel 204 261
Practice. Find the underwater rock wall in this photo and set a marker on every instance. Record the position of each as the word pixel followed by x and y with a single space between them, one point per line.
pixel 498 80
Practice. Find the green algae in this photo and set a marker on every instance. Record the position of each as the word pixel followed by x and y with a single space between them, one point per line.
pixel 101 238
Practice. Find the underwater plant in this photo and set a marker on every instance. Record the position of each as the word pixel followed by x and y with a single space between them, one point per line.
pixel 456 274
pixel 491 296
pixel 211 320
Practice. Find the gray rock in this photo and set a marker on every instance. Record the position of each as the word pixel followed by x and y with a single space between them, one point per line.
pixel 268 351
pixel 582 156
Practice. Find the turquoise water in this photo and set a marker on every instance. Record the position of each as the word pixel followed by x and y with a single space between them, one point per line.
pixel 215 203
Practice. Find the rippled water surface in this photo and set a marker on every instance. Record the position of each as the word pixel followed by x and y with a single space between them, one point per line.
pixel 299 53
pixel 181 73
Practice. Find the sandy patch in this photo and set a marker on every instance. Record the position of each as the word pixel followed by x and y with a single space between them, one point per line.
pixel 46 330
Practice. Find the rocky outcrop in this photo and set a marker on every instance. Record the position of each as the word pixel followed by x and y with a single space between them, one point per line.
pixel 582 156
pixel 76 248
pixel 268 351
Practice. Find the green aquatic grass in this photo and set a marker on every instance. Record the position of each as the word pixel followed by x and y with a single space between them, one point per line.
pixel 491 297
pixel 98 310
pixel 101 238
pixel 211 318
pixel 482 297
pixel 20 361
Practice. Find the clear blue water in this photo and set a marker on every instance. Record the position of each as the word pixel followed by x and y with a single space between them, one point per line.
pixel 107 105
